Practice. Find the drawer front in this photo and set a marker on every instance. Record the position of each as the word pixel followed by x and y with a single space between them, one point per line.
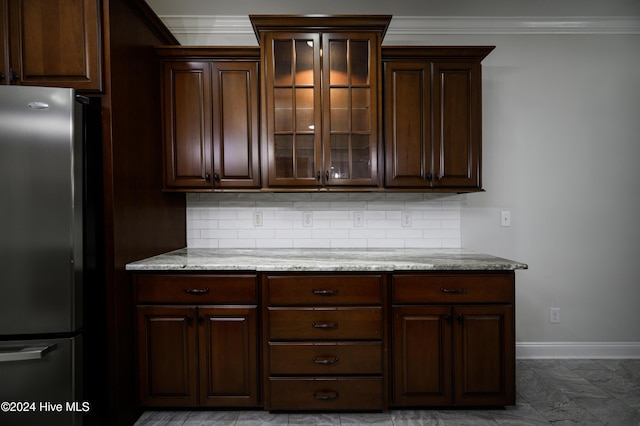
pixel 196 289
pixel 451 288
pixel 331 358
pixel 326 394
pixel 324 290
pixel 325 323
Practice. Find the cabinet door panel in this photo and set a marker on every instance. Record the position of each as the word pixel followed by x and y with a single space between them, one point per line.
pixel 4 42
pixel 408 124
pixel 457 124
pixel 293 109
pixel 350 116
pixel 228 356
pixel 167 357
pixel 187 124
pixel 235 124
pixel 484 355
pixel 56 43
pixel 422 356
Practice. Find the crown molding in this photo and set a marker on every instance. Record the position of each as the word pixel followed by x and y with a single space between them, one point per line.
pixel 208 29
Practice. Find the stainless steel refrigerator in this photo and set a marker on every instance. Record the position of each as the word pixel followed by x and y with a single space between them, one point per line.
pixel 44 245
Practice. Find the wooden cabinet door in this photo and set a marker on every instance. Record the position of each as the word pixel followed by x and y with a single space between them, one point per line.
pixel 228 356
pixel 56 43
pixel 350 64
pixel 167 356
pixel 187 125
pixel 293 109
pixel 422 356
pixel 407 112
pixel 235 124
pixel 4 42
pixel 484 355
pixel 456 124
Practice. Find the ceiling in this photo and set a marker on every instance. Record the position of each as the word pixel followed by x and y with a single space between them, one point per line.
pixel 496 8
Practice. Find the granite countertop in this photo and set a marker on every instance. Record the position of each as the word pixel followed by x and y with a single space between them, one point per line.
pixel 202 259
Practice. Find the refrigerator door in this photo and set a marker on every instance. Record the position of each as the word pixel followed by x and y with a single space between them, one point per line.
pixel 42 382
pixel 41 211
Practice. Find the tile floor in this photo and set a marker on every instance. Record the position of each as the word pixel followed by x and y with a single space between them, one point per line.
pixel 558 392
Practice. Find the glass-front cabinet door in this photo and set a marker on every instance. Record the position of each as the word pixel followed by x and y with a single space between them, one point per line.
pixel 321 108
pixel 294 109
pixel 350 115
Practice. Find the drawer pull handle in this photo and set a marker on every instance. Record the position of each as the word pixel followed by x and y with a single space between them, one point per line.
pixel 325 325
pixel 453 290
pixel 325 360
pixel 325 292
pixel 196 291
pixel 326 395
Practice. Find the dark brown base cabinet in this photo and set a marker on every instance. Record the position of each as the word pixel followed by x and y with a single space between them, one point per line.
pixel 197 340
pixel 324 342
pixel 453 340
pixel 330 341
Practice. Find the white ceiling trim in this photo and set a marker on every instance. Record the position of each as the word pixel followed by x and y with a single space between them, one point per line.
pixel 189 26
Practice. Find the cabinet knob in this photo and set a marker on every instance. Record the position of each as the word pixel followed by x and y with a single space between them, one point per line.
pixel 318 175
pixel 207 177
pixel 216 177
pixel 326 175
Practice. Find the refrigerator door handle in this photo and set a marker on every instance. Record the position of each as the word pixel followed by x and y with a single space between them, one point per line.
pixel 27 353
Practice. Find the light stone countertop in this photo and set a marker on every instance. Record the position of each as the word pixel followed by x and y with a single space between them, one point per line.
pixel 383 260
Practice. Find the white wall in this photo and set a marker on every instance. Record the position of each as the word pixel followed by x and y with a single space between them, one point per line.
pixel 561 136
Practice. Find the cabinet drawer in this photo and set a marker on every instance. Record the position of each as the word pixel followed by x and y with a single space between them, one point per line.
pixel 326 394
pixel 325 323
pixel 450 288
pixel 330 358
pixel 324 290
pixel 196 289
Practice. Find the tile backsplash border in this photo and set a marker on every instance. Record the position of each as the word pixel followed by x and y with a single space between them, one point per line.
pixel 323 220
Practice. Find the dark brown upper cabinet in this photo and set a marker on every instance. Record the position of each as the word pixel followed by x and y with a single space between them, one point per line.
pixel 51 43
pixel 432 117
pixel 210 118
pixel 321 100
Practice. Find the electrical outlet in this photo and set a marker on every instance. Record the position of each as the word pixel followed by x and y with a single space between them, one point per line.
pixel 406 219
pixel 358 219
pixel 307 219
pixel 505 218
pixel 257 219
pixel 554 315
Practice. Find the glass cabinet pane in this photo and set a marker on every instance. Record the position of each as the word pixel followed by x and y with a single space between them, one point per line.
pixel 361 156
pixel 338 71
pixel 304 110
pixel 304 62
pixel 360 113
pixel 284 156
pixel 339 110
pixel 283 110
pixel 305 156
pixel 282 60
pixel 359 61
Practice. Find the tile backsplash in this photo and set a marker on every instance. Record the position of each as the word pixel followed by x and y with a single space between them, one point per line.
pixel 323 220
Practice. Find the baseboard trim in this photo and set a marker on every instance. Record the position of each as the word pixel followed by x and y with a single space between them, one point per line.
pixel 577 350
